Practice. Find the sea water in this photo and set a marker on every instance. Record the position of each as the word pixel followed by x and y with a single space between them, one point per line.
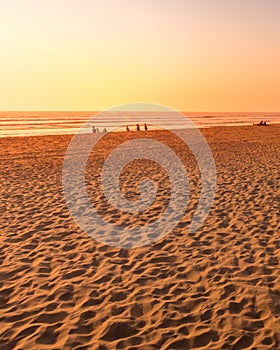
pixel 55 123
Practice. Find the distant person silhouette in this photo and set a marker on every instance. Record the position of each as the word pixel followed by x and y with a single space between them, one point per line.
pixel 104 131
pixel 93 130
pixel 127 128
pixel 146 127
pixel 137 127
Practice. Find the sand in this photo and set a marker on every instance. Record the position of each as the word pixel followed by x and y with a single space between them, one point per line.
pixel 217 288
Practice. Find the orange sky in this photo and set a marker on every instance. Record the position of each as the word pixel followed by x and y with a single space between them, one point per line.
pixel 211 55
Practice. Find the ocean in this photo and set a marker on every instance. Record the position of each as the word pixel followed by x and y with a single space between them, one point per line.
pixel 55 123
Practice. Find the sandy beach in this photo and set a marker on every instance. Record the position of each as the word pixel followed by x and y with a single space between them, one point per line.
pixel 218 288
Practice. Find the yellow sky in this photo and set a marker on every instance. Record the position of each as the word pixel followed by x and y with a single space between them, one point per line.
pixel 211 55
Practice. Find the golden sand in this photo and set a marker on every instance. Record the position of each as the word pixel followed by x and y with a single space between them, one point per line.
pixel 218 288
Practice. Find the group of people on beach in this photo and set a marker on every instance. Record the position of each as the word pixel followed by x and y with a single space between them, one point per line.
pixel 262 123
pixel 96 130
pixel 138 127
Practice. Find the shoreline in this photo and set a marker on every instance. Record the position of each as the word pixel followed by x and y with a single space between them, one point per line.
pixel 201 128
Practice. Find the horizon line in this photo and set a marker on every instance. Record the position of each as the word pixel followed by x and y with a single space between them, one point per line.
pixel 107 110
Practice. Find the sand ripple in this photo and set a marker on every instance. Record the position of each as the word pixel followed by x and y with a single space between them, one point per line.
pixel 218 288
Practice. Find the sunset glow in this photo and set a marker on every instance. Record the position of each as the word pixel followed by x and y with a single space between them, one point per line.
pixel 91 55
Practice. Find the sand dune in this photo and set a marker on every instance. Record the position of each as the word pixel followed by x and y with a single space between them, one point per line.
pixel 218 288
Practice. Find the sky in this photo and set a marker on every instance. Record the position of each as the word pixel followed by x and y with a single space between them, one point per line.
pixel 190 55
